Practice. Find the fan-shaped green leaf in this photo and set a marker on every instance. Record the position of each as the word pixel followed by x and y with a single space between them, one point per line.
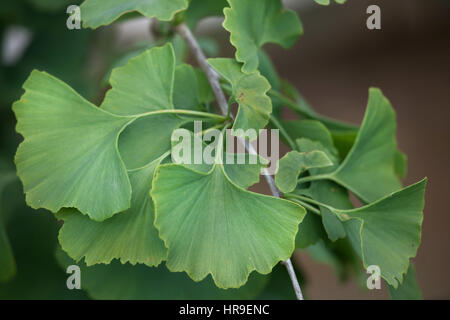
pixel 369 169
pixel 244 175
pixel 343 134
pixel 212 226
pixel 243 169
pixel 190 90
pixel 69 156
pixel 250 91
pixel 96 13
pixel 144 84
pixel 294 163
pixel 310 129
pixel 129 236
pixel 387 232
pixel 254 23
pixel 145 87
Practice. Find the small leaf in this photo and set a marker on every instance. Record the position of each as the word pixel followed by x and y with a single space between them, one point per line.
pixel 251 26
pixel 244 175
pixel 191 89
pixel 369 170
pixel 242 169
pixel 294 163
pixel 96 13
pixel 144 84
pixel 408 289
pixel 327 192
pixel 387 232
pixel 334 195
pixel 310 129
pixel 129 236
pixel 69 156
pixel 205 93
pixel 310 231
pixel 250 91
pixel 343 134
pixel 212 226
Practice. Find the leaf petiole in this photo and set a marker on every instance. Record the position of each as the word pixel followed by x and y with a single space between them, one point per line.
pixel 181 112
pixel 309 200
pixel 315 178
pixel 306 205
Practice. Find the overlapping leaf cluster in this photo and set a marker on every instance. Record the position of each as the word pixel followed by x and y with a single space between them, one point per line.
pixel 107 172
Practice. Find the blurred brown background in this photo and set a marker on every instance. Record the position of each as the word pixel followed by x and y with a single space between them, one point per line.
pixel 333 65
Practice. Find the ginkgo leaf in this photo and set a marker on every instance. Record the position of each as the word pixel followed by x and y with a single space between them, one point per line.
pixel 144 84
pixel 96 13
pixel 294 163
pixel 408 289
pixel 212 226
pixel 369 169
pixel 7 261
pixel 244 175
pixel 126 282
pixel 249 91
pixel 334 195
pixel 252 25
pixel 310 129
pixel 185 94
pixel 387 232
pixel 145 87
pixel 242 168
pixel 191 89
pixel 147 138
pixel 325 191
pixel 205 93
pixel 199 9
pixel 129 236
pixel 69 155
pixel 310 231
pixel 343 134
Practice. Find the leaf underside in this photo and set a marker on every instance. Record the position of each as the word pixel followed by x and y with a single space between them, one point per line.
pixel 211 226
